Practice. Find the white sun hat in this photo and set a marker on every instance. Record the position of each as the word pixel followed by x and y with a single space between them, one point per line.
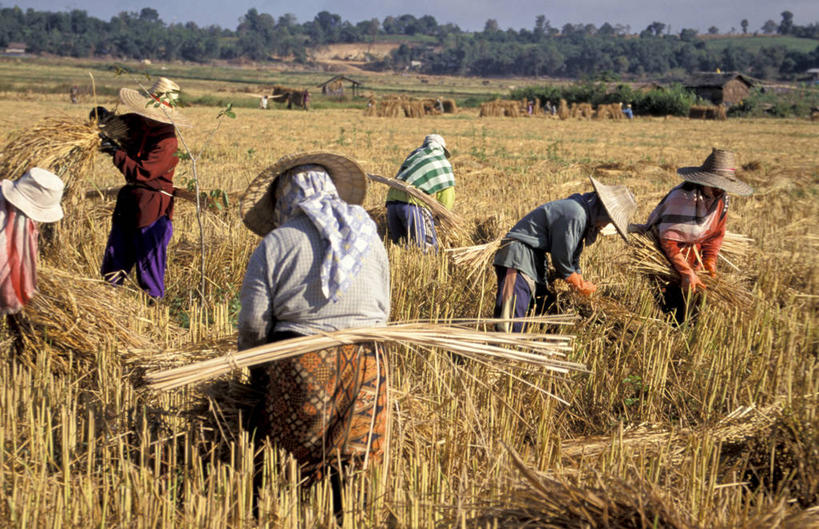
pixel 37 194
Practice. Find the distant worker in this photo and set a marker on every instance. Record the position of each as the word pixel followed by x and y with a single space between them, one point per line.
pixel 689 223
pixel 628 112
pixel 562 229
pixel 428 169
pixel 440 105
pixel 530 106
pixel 263 102
pixel 74 94
pixel 32 198
pixel 306 100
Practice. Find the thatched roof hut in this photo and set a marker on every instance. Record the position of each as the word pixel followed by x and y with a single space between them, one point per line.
pixel 728 88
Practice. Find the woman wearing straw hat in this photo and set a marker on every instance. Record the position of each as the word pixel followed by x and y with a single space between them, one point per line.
pixel 141 225
pixel 428 169
pixel 34 197
pixel 562 229
pixel 320 267
pixel 690 224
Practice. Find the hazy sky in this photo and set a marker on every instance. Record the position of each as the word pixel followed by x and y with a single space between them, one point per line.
pixel 468 14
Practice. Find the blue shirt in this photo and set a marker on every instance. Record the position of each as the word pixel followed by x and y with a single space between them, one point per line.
pixel 557 228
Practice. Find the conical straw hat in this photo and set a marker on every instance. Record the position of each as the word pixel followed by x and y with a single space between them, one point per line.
pixel 256 203
pixel 160 106
pixel 718 170
pixel 619 202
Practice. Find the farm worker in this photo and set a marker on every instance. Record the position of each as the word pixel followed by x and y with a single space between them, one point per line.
pixel 628 112
pixel 428 169
pixel 32 198
pixel 263 102
pixel 690 224
pixel 141 224
pixel 320 267
pixel 306 100
pixel 561 228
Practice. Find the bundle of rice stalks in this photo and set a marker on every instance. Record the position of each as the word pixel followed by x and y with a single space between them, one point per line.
pixel 450 107
pixel 64 146
pixel 500 108
pixel 446 217
pixel 542 350
pixel 563 111
pixel 707 112
pixel 613 503
pixel 477 258
pixel 73 318
pixel 647 258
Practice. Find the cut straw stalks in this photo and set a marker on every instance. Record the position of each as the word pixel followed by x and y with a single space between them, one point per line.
pixel 74 318
pixel 534 349
pixel 447 218
pixel 613 503
pixel 647 258
pixel 64 146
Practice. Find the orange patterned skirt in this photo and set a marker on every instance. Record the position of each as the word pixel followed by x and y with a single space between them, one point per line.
pixel 327 405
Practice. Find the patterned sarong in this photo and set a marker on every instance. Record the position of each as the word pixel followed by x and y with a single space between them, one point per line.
pixel 327 404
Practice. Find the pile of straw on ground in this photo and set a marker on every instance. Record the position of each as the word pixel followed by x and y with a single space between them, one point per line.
pixel 64 146
pixel 500 108
pixel 396 107
pixel 707 112
pixel 612 503
pixel 581 111
pixel 611 111
pixel 73 318
pixel 563 110
pixel 450 107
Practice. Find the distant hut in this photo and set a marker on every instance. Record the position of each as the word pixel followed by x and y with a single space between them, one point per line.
pixel 334 87
pixel 721 88
pixel 15 48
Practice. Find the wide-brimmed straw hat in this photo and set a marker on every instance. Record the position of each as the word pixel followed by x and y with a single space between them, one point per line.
pixel 161 106
pixel 718 170
pixel 619 202
pixel 257 202
pixel 439 140
pixel 37 194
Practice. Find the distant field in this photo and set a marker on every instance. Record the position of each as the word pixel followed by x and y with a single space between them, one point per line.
pixel 712 423
pixel 754 43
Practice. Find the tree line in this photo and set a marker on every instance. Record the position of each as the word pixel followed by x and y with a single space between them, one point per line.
pixel 574 50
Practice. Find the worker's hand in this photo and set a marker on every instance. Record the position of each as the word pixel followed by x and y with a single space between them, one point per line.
pixel 691 281
pixel 710 266
pixel 585 288
pixel 107 145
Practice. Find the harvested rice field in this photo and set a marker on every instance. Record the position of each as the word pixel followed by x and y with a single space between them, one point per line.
pixel 711 424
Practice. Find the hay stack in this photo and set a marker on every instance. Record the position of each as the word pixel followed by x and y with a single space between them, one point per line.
pixel 63 146
pixel 500 108
pixel 449 106
pixel 585 111
pixel 707 112
pixel 396 107
pixel 563 111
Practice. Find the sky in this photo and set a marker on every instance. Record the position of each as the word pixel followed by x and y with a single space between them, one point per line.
pixel 470 15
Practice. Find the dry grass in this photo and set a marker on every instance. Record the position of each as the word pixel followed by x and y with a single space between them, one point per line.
pixel 649 428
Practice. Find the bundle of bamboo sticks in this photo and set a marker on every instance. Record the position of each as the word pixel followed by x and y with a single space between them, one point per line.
pixel 546 351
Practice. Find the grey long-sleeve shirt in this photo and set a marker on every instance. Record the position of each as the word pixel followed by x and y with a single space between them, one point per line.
pixel 557 228
pixel 282 287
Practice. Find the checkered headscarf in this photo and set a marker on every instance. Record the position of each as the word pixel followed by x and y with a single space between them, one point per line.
pixel 347 228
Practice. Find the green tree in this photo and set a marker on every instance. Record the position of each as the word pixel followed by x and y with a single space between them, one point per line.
pixel 744 25
pixel 786 26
